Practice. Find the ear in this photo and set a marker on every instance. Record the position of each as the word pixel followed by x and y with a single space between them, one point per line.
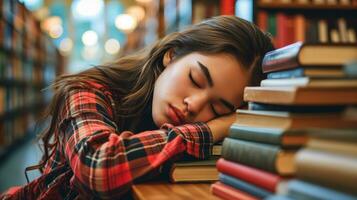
pixel 167 57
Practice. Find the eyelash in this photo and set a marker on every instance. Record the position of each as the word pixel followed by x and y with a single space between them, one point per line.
pixel 214 111
pixel 197 85
pixel 193 81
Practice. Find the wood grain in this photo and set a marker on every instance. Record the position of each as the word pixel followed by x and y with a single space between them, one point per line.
pixel 164 190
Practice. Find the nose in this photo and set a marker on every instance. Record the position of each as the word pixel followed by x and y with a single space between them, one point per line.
pixel 195 102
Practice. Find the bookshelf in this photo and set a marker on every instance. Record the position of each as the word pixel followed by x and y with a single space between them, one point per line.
pixel 312 21
pixel 28 63
pixel 174 15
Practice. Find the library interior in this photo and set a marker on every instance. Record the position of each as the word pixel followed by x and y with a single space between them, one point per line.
pixel 295 137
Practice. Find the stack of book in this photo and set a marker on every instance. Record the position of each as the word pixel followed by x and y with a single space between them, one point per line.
pixel 297 140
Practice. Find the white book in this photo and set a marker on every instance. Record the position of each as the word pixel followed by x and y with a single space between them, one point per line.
pixel 307 81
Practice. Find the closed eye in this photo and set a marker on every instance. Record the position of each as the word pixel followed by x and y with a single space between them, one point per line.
pixel 193 80
pixel 214 111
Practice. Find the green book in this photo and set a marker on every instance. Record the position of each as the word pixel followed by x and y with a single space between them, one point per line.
pixel 267 157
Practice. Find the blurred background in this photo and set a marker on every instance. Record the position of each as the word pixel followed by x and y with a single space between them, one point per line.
pixel 42 39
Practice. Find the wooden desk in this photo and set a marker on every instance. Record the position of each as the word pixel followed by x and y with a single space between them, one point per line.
pixel 165 190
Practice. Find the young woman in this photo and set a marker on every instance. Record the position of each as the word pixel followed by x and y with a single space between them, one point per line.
pixel 115 125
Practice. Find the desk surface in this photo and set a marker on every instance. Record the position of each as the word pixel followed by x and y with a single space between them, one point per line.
pixel 165 190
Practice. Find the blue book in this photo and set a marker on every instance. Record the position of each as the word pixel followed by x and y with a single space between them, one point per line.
pixel 298 189
pixel 308 72
pixel 279 197
pixel 244 186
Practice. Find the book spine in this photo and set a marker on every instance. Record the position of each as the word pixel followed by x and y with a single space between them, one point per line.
pixel 250 153
pixel 226 192
pixel 302 190
pixel 243 186
pixel 256 177
pixel 264 135
pixel 293 73
pixel 282 58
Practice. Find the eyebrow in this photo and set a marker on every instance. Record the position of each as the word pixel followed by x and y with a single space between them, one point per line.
pixel 210 83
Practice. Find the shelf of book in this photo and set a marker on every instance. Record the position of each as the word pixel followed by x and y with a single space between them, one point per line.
pixel 306 6
pixel 29 61
pixel 308 22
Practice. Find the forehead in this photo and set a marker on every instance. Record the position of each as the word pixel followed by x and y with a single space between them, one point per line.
pixel 228 74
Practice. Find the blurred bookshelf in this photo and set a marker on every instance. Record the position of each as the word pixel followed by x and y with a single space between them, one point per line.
pixel 313 21
pixel 175 15
pixel 29 62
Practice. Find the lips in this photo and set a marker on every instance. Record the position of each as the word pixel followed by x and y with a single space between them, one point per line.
pixel 176 115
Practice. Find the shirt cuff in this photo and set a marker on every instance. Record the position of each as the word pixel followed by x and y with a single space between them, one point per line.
pixel 197 138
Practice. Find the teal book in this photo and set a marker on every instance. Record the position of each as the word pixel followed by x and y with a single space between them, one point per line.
pixel 267 157
pixel 303 190
pixel 244 186
pixel 274 136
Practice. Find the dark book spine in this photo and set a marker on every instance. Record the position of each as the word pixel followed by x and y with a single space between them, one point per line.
pixel 244 186
pixel 303 190
pixel 261 156
pixel 282 58
pixel 293 73
pixel 256 134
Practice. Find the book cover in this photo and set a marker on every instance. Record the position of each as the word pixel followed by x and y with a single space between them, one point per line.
pixel 301 95
pixel 229 193
pixel 296 108
pixel 194 171
pixel 303 190
pixel 288 120
pixel 259 178
pixel 275 136
pixel 308 54
pixel 312 72
pixel 310 82
pixel 262 156
pixel 244 186
pixel 335 170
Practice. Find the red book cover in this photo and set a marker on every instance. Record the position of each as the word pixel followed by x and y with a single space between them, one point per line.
pixel 251 175
pixel 229 193
pixel 227 7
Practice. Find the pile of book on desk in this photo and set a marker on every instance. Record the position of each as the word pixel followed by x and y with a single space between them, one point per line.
pixel 298 139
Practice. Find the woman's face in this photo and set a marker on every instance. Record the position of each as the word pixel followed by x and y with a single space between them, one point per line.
pixel 198 87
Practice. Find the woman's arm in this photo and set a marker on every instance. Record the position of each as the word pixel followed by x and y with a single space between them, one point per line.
pixel 105 163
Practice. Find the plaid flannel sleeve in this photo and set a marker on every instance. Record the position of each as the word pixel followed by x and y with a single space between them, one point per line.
pixel 105 162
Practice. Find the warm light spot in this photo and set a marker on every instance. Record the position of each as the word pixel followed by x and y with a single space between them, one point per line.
pixel 90 38
pixel 112 46
pixel 125 22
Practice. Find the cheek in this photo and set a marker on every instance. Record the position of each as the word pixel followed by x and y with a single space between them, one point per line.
pixel 205 115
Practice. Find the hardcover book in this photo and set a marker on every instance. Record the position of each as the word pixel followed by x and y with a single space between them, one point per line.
pixel 334 170
pixel 258 155
pixel 244 186
pixel 304 190
pixel 288 120
pixel 304 54
pixel 302 95
pixel 309 82
pixel 313 72
pixel 274 136
pixel 194 171
pixel 268 181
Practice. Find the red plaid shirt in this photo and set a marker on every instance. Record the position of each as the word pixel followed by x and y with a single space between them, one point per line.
pixel 94 160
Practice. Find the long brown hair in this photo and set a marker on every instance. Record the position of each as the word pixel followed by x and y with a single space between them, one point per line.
pixel 131 78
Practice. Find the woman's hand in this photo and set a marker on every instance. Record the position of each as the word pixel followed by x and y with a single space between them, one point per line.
pixel 220 126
